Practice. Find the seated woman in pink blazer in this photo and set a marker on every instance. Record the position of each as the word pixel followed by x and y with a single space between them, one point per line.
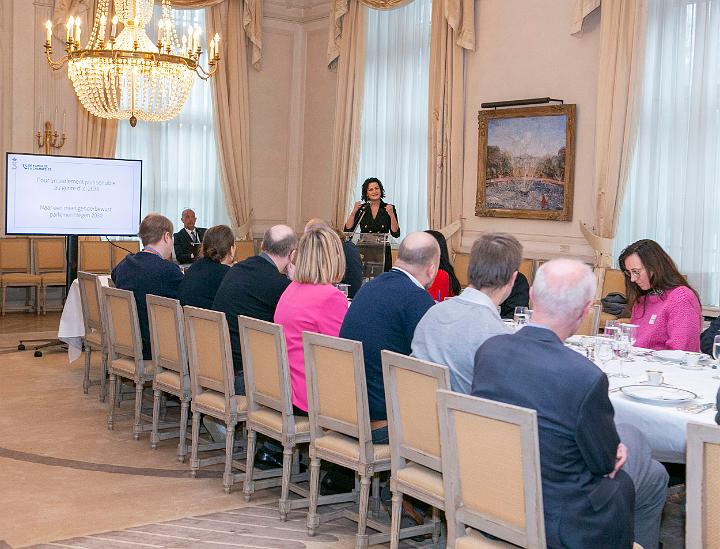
pixel 311 303
pixel 663 305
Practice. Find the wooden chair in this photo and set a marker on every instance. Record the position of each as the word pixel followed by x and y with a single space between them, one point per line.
pixel 212 384
pixel 491 472
pixel 270 411
pixel 411 387
pixel 244 249
pixel 49 260
pixel 95 256
pixel 16 271
pixel 170 362
pixel 125 356
pixel 93 311
pixel 340 429
pixel 527 267
pixel 591 322
pixel 460 264
pixel 702 528
pixel 122 248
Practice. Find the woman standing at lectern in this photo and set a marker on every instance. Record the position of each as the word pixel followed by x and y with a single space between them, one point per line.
pixel 374 215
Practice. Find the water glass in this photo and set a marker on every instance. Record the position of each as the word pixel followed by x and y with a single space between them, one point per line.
pixel 344 288
pixel 716 351
pixel 621 348
pixel 603 350
pixel 610 325
pixel 520 316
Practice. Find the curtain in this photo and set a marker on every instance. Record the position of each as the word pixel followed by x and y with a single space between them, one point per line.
pixel 673 191
pixel 346 52
pixel 453 32
pixel 393 144
pixel 622 42
pixel 583 8
pixel 180 157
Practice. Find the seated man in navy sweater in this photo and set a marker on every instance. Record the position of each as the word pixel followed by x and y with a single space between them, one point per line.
pixel 148 272
pixel 384 314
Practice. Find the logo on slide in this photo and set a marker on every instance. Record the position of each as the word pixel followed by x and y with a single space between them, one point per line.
pixel 13 162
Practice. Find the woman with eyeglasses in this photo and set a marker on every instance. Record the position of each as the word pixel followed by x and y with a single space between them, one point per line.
pixel 664 306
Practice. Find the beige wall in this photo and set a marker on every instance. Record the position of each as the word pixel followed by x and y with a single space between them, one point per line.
pixel 524 49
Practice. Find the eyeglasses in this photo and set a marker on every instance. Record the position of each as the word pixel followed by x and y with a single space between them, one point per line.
pixel 633 272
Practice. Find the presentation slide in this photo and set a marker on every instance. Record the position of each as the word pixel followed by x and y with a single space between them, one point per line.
pixel 67 195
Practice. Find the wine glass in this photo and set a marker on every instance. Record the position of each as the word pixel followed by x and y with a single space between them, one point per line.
pixel 621 348
pixel 603 350
pixel 528 315
pixel 716 351
pixel 628 332
pixel 520 315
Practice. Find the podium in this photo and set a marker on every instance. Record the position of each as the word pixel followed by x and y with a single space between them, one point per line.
pixel 372 252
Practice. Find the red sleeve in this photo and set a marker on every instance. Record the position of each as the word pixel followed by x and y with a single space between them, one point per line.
pixel 440 288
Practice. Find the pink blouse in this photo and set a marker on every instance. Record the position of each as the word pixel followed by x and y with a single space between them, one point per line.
pixel 318 308
pixel 669 321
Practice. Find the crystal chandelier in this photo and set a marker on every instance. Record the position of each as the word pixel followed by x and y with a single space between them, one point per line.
pixel 126 76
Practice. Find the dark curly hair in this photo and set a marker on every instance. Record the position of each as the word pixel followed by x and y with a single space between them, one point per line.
pixel 217 243
pixel 445 264
pixel 366 184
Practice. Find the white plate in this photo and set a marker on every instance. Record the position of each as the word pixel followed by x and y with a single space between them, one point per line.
pixel 673 355
pixel 658 394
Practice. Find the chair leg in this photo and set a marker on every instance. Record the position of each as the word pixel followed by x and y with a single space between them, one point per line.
pixel 37 300
pixel 194 462
pixel 375 503
pixel 86 379
pixel 154 435
pixel 103 376
pixel 285 491
pixel 182 445
pixel 313 520
pixel 436 525
pixel 397 499
pixel 249 484
pixel 137 427
pixel 113 396
pixel 228 477
pixel 2 307
pixel 361 540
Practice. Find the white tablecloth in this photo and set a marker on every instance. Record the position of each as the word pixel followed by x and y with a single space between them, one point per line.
pixel 664 425
pixel 72 325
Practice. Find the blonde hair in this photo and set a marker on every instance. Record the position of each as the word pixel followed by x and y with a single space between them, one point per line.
pixel 320 258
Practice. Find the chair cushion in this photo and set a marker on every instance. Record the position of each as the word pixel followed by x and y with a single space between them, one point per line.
pixel 475 540
pixel 53 279
pixel 15 279
pixel 349 447
pixel 215 401
pixel 170 379
pixel 273 420
pixel 125 365
pixel 423 478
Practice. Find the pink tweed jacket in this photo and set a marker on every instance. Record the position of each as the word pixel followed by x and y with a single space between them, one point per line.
pixel 668 321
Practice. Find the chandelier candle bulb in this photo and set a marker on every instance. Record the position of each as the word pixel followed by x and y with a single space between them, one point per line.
pixel 161 36
pixel 114 26
pixel 69 27
pixel 217 46
pixel 77 32
pixel 48 27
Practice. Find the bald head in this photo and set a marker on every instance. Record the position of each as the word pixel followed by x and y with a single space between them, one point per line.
pixel 316 223
pixel 279 240
pixel 562 291
pixel 419 254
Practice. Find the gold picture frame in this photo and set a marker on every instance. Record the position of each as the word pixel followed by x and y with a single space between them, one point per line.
pixel 526 162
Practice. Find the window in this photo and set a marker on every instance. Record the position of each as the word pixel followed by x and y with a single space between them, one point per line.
pixel 673 191
pixel 394 134
pixel 181 168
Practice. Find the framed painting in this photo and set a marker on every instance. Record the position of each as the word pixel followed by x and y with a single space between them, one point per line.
pixel 526 160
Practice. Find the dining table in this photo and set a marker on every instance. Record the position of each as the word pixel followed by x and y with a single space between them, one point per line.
pixel 661 411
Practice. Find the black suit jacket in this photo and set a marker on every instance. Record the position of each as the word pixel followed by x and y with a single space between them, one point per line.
pixel 183 244
pixel 578 441
pixel 252 288
pixel 519 297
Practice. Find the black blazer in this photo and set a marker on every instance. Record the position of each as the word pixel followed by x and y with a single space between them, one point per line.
pixel 201 283
pixel 519 297
pixel 252 288
pixel 183 244
pixel 370 224
pixel 577 435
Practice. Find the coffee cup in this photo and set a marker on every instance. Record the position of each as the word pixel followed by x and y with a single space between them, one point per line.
pixel 655 377
pixel 692 360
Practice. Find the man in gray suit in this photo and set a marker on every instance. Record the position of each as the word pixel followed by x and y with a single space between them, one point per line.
pixel 452 331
